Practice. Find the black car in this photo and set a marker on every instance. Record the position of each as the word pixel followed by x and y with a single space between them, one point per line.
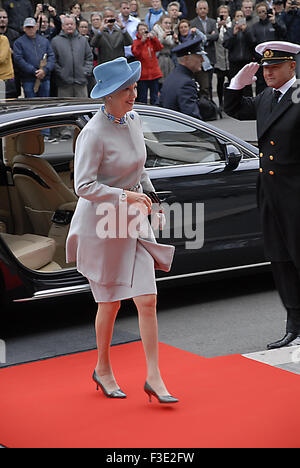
pixel 205 176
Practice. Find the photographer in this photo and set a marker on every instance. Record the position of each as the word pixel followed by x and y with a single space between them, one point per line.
pixel 42 14
pixel 144 48
pixel 168 39
pixel 238 42
pixel 291 17
pixel 111 38
pixel 268 28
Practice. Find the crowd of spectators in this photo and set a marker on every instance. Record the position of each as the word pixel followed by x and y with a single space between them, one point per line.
pixel 46 54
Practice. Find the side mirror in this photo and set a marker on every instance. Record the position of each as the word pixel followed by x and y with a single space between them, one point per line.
pixel 233 157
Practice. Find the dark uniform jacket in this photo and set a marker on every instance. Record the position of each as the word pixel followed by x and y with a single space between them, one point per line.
pixel 279 173
pixel 111 45
pixel 179 92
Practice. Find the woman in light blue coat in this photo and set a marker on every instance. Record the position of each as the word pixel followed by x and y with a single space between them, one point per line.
pixel 110 236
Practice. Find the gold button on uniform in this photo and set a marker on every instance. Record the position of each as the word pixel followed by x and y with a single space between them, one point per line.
pixel 271 172
pixel 261 155
pixel 260 169
pixel 271 157
pixel 272 142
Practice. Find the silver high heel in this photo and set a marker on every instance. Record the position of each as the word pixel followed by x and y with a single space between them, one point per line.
pixel 161 398
pixel 114 394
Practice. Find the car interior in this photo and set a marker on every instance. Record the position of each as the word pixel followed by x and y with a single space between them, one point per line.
pixel 39 201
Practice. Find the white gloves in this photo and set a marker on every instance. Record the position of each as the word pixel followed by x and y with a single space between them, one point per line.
pixel 244 77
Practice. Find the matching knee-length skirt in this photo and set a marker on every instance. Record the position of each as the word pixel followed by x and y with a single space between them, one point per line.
pixel 143 280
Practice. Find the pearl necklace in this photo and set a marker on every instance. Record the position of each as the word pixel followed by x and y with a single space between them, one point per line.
pixel 114 119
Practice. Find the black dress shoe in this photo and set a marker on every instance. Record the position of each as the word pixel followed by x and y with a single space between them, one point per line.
pixel 287 339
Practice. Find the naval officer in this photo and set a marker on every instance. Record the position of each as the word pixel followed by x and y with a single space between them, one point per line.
pixel 277 112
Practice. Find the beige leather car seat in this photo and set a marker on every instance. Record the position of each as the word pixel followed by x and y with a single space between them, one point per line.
pixel 39 185
pixel 34 252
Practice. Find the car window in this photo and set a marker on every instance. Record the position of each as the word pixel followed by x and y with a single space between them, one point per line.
pixel 170 143
pixel 55 144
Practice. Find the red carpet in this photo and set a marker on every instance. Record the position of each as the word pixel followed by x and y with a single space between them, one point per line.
pixel 227 401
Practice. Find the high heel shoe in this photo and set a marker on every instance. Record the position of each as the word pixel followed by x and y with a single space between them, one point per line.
pixel 161 398
pixel 114 394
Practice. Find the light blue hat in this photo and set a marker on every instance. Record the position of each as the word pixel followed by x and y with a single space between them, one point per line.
pixel 114 75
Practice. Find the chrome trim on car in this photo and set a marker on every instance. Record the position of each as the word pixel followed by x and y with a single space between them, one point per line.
pixel 48 293
pixel 86 287
pixel 220 270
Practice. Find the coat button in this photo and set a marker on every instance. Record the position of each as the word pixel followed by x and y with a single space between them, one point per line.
pixel 271 157
pixel 271 172
pixel 260 169
pixel 272 142
pixel 261 155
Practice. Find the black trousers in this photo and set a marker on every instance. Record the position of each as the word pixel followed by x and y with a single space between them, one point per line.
pixel 287 281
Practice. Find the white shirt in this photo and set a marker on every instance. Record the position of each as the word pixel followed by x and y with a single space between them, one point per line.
pixel 285 87
pixel 131 28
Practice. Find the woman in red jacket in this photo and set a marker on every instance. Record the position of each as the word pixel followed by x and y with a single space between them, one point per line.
pixel 144 48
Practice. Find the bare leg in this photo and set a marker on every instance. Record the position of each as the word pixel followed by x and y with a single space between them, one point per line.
pixel 146 306
pixel 104 325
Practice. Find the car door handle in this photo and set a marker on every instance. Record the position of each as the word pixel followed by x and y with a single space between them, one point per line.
pixel 167 195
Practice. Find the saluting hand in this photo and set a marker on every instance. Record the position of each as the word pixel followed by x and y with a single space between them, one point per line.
pixel 245 76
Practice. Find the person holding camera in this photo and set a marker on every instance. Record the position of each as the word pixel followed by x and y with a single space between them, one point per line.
pixel 278 6
pixel 238 42
pixel 144 48
pixel 111 38
pixel 42 14
pixel 268 28
pixel 222 54
pixel 168 39
pixel 291 18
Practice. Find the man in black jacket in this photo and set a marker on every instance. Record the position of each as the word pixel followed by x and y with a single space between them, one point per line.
pixel 268 28
pixel 277 111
